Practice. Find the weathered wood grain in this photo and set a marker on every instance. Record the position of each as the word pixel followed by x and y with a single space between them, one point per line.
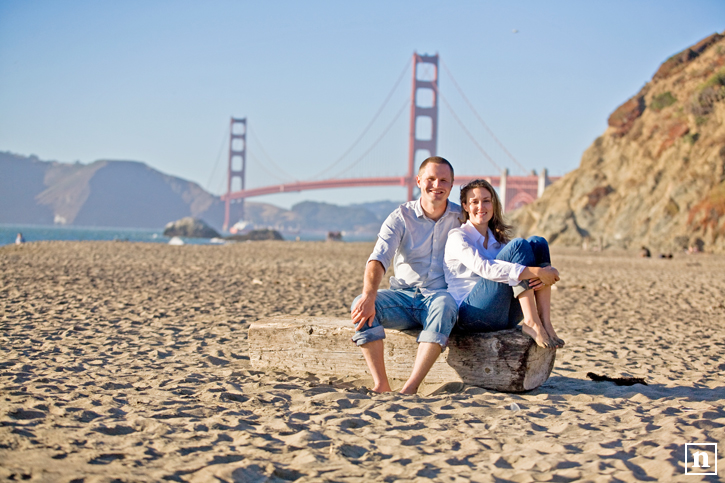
pixel 506 361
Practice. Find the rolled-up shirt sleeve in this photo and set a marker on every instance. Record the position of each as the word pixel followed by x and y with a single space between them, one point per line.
pixel 495 270
pixel 389 238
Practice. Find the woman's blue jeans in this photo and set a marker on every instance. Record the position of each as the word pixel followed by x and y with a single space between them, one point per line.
pixel 493 306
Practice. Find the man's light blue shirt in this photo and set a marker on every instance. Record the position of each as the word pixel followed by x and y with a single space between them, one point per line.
pixel 415 244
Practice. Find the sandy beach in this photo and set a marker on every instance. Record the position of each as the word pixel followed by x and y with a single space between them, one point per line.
pixel 127 362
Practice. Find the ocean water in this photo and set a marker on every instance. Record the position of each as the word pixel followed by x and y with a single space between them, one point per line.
pixel 33 233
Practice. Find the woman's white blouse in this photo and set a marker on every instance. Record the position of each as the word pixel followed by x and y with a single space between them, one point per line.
pixel 466 261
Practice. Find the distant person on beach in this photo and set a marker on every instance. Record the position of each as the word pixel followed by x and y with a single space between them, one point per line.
pixel 498 282
pixel 19 240
pixel 413 239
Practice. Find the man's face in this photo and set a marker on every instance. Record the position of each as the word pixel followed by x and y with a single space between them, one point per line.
pixel 435 182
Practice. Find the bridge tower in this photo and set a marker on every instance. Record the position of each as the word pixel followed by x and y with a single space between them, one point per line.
pixel 423 108
pixel 237 167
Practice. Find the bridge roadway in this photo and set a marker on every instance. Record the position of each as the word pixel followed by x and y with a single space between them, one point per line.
pixel 512 183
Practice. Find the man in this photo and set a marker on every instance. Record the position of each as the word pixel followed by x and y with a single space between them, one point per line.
pixel 413 237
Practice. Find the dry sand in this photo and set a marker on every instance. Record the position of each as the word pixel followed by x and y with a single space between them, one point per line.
pixel 128 362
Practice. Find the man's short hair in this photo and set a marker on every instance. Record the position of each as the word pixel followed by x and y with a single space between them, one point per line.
pixel 435 160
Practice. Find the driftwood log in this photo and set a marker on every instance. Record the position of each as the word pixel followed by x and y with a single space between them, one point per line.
pixel 506 361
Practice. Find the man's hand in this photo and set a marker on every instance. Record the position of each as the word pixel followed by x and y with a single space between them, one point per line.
pixel 364 311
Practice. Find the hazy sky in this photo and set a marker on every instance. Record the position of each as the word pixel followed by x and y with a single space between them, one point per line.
pixel 157 81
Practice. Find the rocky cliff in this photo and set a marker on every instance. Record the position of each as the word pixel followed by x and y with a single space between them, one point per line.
pixel 656 177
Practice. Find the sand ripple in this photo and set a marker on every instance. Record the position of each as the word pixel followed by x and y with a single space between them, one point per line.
pixel 128 362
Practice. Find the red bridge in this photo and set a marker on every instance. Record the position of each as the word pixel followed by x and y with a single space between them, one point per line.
pixel 514 191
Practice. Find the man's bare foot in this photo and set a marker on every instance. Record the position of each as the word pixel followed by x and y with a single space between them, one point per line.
pixel 558 342
pixel 538 333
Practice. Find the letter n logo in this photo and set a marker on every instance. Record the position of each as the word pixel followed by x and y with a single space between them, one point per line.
pixel 701 459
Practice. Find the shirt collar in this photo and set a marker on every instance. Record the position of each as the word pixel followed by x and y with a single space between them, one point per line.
pixel 420 214
pixel 477 235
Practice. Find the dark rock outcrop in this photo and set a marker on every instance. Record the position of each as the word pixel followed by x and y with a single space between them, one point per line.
pixel 190 228
pixel 256 235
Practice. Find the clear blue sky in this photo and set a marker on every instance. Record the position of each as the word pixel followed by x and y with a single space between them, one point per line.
pixel 157 81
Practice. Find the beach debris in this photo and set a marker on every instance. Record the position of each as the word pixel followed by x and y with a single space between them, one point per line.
pixel 257 235
pixel 257 281
pixel 514 407
pixel 176 241
pixel 619 381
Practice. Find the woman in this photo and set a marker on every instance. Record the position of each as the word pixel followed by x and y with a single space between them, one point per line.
pixel 486 272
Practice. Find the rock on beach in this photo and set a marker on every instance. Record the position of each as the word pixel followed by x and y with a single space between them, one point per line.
pixel 190 228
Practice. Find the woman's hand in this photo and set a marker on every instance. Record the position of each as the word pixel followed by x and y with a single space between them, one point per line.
pixel 536 284
pixel 547 275
pixel 539 277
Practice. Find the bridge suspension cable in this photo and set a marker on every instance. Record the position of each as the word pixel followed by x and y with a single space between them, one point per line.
pixel 465 129
pixel 270 160
pixel 367 128
pixel 468 133
pixel 217 162
pixel 377 141
pixel 478 116
pixel 260 165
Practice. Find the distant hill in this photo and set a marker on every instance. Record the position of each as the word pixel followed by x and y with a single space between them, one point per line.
pixel 104 193
pixel 132 194
pixel 656 177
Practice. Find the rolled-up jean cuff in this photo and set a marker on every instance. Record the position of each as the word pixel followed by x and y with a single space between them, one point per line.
pixel 371 335
pixel 434 337
pixel 522 287
pixel 544 264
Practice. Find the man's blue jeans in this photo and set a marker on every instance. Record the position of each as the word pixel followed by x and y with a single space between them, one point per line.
pixel 409 309
pixel 493 306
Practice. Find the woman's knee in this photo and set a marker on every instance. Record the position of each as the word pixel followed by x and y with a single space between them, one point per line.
pixel 518 251
pixel 540 248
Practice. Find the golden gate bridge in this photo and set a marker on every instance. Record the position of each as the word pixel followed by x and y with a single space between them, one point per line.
pixel 514 191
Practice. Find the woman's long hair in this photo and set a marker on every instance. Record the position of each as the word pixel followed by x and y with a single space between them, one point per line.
pixel 501 231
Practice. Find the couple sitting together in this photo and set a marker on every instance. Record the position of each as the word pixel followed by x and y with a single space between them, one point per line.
pixel 470 276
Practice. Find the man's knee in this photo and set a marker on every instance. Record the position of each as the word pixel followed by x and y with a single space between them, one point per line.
pixel 354 302
pixel 445 309
pixel 446 304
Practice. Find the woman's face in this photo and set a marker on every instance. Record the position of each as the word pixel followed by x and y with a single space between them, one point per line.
pixel 479 206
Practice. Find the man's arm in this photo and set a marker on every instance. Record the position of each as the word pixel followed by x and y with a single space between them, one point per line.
pixel 364 311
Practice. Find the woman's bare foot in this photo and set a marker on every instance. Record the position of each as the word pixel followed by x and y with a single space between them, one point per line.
pixel 538 333
pixel 555 339
pixel 382 387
